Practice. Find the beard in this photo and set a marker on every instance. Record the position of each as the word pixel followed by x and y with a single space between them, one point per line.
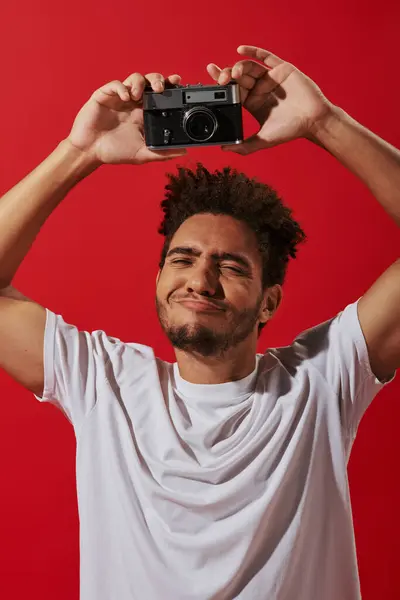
pixel 206 341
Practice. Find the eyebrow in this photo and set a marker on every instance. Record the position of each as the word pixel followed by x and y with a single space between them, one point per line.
pixel 189 251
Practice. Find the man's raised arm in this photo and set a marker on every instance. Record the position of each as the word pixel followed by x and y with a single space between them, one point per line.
pixel 108 129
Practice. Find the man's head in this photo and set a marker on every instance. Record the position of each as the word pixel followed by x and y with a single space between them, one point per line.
pixel 228 240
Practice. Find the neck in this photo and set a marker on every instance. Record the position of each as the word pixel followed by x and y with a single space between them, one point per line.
pixel 235 364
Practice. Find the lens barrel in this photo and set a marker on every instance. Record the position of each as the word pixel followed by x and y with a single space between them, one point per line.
pixel 199 123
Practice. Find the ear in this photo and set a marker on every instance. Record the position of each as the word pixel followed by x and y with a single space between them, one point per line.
pixel 272 299
pixel 158 276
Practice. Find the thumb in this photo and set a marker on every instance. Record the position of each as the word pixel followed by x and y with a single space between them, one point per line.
pixel 252 144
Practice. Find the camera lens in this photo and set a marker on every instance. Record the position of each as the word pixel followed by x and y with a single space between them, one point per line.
pixel 200 124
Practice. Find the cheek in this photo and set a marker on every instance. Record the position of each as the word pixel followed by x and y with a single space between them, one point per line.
pixel 244 299
pixel 238 293
pixel 165 288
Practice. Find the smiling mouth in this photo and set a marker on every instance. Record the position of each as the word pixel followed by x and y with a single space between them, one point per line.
pixel 200 306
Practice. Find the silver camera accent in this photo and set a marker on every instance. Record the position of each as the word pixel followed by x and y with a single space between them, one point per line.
pixel 179 97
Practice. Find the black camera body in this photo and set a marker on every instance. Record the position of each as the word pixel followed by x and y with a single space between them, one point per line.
pixel 193 115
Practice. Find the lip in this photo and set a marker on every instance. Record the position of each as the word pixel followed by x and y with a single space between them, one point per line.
pixel 200 306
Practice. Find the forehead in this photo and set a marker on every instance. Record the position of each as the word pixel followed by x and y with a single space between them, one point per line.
pixel 217 233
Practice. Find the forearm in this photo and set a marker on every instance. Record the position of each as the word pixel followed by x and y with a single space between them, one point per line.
pixel 25 208
pixel 374 161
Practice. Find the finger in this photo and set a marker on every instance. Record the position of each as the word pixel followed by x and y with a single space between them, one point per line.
pixel 225 76
pixel 249 68
pixel 173 79
pixel 222 76
pixel 252 76
pixel 252 144
pixel 135 83
pixel 214 71
pixel 247 72
pixel 113 88
pixel 260 82
pixel 156 80
pixel 269 59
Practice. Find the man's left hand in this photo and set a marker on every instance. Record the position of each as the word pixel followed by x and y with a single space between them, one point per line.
pixel 286 103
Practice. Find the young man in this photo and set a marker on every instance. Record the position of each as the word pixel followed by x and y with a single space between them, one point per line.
pixel 222 475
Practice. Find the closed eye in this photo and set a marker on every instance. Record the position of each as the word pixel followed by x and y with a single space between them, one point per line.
pixel 232 269
pixel 185 261
pixel 181 260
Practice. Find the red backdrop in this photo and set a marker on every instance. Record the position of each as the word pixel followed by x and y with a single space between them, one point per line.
pixel 95 261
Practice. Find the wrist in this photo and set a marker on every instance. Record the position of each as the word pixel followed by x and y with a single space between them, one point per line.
pixel 83 161
pixel 326 127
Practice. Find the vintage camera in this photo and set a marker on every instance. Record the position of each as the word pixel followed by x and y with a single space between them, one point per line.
pixel 193 115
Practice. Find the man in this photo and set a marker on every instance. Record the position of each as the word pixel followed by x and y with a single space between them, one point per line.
pixel 222 475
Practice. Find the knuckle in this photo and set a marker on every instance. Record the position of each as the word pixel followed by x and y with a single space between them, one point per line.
pixel 134 77
pixel 155 76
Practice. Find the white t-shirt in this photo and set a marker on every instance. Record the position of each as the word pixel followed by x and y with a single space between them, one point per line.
pixel 214 492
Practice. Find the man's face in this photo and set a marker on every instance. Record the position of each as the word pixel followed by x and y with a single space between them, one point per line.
pixel 214 259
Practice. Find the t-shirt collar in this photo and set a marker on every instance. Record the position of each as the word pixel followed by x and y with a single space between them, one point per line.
pixel 230 389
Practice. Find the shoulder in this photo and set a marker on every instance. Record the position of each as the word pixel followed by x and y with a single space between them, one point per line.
pixel 98 343
pixel 315 347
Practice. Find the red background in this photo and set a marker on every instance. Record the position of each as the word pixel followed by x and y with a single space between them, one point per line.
pixel 95 261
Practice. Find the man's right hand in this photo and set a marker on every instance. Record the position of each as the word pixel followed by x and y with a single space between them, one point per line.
pixel 110 128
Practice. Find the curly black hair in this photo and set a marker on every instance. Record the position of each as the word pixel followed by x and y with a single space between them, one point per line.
pixel 230 192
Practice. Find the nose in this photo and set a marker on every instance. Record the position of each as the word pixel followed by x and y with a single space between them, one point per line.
pixel 202 280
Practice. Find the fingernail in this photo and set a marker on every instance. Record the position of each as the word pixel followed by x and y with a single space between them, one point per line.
pixel 158 85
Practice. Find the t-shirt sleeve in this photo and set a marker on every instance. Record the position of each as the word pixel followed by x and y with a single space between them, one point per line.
pixel 74 367
pixel 338 350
